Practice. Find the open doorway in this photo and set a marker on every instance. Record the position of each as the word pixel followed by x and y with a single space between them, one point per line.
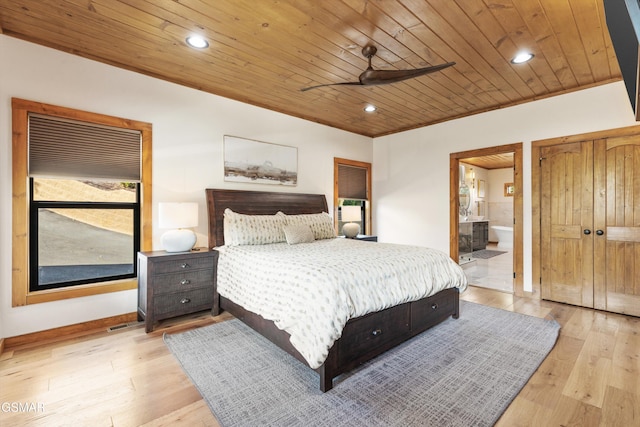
pixel 475 218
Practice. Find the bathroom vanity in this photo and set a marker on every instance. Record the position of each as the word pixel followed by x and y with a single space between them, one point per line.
pixel 473 235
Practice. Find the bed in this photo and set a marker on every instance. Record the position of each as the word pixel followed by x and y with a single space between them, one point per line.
pixel 362 337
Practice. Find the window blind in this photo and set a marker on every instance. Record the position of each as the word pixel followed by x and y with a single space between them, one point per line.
pixel 64 148
pixel 352 182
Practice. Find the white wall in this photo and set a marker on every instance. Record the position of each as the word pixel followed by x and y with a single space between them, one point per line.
pixel 188 129
pixel 500 208
pixel 411 169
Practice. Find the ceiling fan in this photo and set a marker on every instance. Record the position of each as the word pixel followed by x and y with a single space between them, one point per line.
pixel 371 77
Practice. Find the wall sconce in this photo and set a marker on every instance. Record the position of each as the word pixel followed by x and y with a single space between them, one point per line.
pixel 178 217
pixel 473 179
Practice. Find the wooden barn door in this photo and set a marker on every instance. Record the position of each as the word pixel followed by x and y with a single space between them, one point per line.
pixel 566 223
pixel 617 224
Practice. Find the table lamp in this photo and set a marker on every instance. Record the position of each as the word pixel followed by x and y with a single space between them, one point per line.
pixel 178 217
pixel 349 214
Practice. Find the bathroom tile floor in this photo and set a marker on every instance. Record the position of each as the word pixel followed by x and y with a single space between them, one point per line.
pixel 493 273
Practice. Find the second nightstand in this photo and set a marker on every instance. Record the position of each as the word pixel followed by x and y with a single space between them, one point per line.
pixel 173 284
pixel 366 238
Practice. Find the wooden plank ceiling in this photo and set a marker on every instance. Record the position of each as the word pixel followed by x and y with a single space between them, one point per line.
pixel 493 161
pixel 263 52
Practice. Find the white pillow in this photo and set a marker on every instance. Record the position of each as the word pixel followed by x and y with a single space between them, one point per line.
pixel 298 233
pixel 241 229
pixel 321 224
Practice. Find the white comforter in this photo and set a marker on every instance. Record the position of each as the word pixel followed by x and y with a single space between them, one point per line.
pixel 311 290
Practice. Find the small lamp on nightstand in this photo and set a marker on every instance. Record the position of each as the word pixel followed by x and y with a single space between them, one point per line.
pixel 178 217
pixel 349 214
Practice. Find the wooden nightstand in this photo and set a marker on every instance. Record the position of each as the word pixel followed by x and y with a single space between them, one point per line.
pixel 173 284
pixel 366 238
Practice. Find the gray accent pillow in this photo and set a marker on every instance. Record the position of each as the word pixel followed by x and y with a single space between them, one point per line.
pixel 321 224
pixel 298 233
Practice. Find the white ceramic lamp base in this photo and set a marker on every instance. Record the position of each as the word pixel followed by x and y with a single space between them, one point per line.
pixel 351 230
pixel 181 240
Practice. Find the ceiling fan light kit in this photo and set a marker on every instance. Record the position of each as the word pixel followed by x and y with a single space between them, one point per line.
pixel 371 77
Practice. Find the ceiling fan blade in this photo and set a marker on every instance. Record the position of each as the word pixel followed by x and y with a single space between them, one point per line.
pixel 330 84
pixel 379 77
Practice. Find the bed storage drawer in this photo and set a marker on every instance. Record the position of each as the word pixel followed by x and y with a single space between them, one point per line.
pixel 433 310
pixel 370 332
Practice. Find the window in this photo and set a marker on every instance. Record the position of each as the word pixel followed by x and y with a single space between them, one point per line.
pixel 352 188
pixel 82 202
pixel 82 232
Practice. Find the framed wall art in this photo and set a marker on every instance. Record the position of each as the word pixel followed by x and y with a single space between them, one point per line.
pixel 246 160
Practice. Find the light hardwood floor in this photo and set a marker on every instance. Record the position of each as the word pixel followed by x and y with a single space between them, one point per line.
pixel 129 378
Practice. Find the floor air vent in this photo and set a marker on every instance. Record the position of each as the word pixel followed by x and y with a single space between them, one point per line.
pixel 123 326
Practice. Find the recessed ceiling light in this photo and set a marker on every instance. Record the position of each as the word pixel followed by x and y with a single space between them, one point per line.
pixel 197 42
pixel 522 57
pixel 370 108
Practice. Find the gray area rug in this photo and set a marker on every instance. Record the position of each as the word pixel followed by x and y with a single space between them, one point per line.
pixel 463 372
pixel 486 253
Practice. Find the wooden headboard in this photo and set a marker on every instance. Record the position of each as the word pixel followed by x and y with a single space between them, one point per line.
pixel 256 203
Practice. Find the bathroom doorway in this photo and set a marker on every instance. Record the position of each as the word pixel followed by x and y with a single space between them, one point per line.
pixel 486 216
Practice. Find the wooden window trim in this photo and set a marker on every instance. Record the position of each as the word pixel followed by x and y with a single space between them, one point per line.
pixel 20 219
pixel 346 162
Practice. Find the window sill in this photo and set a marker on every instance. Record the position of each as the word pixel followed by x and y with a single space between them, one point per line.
pixel 50 295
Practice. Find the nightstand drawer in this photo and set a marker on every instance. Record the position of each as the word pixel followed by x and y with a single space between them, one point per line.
pixel 169 305
pixel 185 264
pixel 182 281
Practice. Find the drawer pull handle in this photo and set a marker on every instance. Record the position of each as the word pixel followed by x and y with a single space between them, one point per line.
pixel 185 300
pixel 376 332
pixel 184 265
pixel 434 306
pixel 185 282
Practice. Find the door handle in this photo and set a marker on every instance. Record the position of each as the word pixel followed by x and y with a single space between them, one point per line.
pixel 599 232
pixel 587 231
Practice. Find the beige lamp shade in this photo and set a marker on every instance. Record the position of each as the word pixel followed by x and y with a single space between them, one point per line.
pixel 178 217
